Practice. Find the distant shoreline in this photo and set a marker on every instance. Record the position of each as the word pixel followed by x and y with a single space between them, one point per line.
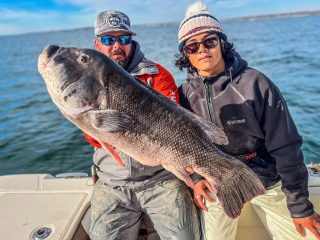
pixel 273 16
pixel 247 18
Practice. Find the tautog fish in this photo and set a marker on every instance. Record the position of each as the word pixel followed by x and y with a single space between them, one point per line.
pixel 104 101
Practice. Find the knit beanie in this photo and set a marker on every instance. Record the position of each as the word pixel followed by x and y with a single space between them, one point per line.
pixel 198 20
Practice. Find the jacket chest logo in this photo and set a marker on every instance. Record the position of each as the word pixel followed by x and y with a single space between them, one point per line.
pixel 236 121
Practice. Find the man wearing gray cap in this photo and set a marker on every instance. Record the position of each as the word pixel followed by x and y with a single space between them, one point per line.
pixel 123 194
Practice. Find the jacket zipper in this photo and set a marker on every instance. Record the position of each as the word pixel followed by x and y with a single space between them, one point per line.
pixel 209 101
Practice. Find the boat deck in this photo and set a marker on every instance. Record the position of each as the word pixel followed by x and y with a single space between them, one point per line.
pixel 31 204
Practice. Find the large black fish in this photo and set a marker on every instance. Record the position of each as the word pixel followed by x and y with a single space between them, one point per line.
pixel 106 102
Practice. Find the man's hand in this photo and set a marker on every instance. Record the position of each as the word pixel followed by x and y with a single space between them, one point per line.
pixel 189 170
pixel 311 222
pixel 201 195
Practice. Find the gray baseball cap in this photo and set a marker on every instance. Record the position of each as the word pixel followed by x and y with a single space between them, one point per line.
pixel 112 21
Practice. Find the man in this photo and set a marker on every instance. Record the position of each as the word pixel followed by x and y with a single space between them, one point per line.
pixel 123 194
pixel 221 88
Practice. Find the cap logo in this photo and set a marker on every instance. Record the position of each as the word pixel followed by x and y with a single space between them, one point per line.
pixel 114 20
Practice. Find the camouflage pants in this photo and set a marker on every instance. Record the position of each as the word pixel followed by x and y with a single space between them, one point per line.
pixel 116 212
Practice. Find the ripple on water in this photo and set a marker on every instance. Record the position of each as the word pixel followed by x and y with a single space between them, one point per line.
pixel 35 137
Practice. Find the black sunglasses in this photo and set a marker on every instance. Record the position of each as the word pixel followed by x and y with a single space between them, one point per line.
pixel 110 40
pixel 208 43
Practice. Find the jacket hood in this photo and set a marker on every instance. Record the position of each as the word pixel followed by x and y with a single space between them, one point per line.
pixel 140 65
pixel 136 57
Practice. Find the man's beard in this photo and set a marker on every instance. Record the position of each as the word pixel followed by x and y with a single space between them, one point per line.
pixel 122 62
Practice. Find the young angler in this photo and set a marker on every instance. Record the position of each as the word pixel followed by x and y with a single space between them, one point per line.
pixel 223 89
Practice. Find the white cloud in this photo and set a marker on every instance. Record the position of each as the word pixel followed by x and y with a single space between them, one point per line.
pixel 23 21
pixel 147 11
pixel 20 14
pixel 231 3
pixel 80 2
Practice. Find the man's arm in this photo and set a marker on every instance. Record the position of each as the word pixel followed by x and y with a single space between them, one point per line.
pixel 165 84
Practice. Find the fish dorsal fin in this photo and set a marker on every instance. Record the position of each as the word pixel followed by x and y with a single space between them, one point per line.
pixel 111 121
pixel 216 134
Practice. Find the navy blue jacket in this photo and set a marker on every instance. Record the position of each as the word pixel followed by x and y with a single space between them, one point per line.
pixel 254 115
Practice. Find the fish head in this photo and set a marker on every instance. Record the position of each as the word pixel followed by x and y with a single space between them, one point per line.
pixel 75 78
pixel 82 84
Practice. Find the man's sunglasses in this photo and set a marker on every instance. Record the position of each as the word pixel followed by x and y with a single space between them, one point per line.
pixel 110 40
pixel 208 43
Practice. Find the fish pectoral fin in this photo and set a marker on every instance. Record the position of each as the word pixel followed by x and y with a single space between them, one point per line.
pixel 110 121
pixel 113 153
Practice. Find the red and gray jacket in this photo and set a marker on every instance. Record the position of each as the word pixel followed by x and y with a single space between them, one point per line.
pixel 134 174
pixel 254 115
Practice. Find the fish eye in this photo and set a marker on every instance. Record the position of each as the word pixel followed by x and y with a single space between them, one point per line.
pixel 83 59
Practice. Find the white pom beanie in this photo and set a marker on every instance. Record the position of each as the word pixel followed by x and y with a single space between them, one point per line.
pixel 198 20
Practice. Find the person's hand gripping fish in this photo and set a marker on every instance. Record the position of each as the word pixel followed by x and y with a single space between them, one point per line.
pixel 202 190
pixel 312 223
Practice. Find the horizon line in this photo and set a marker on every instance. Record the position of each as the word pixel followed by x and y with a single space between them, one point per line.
pixel 231 19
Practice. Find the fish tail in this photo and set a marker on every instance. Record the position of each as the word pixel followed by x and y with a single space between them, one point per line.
pixel 238 189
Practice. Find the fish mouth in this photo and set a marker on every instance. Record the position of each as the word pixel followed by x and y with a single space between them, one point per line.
pixel 52 73
pixel 67 86
pixel 65 89
pixel 74 111
pixel 48 53
pixel 45 58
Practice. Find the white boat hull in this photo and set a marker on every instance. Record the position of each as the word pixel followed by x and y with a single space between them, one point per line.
pixel 31 202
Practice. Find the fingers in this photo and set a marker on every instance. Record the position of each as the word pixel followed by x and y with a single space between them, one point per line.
pixel 199 202
pixel 314 227
pixel 189 170
pixel 300 229
pixel 208 185
pixel 204 194
pixel 312 223
pixel 316 220
pixel 314 231
pixel 200 189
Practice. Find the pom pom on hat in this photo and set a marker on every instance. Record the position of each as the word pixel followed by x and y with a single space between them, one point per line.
pixel 198 20
pixel 196 8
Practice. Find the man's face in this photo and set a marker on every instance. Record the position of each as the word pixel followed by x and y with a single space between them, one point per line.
pixel 113 49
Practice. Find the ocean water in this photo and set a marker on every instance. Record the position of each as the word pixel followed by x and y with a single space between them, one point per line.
pixel 36 138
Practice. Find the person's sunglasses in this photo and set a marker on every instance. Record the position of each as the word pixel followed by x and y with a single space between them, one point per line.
pixel 208 43
pixel 110 40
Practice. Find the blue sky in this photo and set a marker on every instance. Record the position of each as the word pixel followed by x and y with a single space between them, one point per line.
pixel 24 16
